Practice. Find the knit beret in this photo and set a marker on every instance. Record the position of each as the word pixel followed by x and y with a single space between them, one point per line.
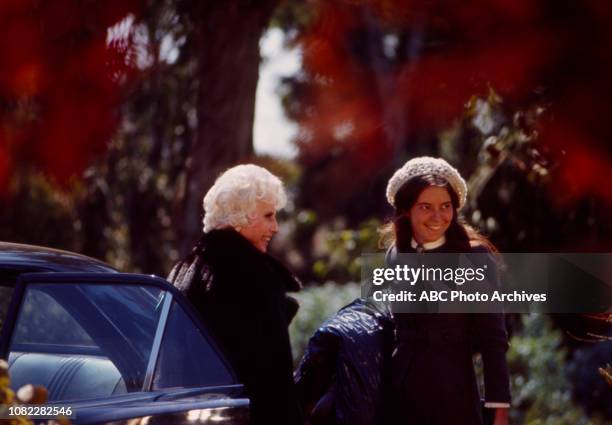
pixel 424 165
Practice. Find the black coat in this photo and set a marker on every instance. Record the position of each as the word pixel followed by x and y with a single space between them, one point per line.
pixel 341 376
pixel 240 294
pixel 433 380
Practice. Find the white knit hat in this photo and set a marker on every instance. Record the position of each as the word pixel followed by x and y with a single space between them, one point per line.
pixel 427 165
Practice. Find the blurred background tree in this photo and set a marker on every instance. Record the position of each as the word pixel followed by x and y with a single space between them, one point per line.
pixel 153 104
pixel 384 81
pixel 164 96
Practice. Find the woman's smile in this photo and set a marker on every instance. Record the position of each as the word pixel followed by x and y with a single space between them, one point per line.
pixel 431 215
pixel 263 226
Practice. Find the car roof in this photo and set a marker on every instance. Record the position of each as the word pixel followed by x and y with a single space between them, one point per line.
pixel 37 258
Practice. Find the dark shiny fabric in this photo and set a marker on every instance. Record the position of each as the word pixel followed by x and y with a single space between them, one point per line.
pixel 240 293
pixel 433 380
pixel 341 377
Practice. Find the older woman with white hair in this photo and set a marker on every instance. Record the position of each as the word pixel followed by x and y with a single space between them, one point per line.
pixel 240 290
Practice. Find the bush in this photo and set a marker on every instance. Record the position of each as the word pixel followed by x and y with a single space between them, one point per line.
pixel 317 304
pixel 541 392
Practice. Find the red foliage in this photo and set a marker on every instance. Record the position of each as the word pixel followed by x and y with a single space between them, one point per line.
pixel 583 167
pixel 58 85
pixel 528 51
pixel 5 169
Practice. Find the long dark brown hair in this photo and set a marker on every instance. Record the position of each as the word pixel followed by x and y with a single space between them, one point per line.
pixel 460 237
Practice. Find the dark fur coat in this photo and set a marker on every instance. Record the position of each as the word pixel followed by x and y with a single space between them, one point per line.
pixel 240 293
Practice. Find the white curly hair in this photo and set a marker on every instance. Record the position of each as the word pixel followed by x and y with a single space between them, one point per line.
pixel 233 198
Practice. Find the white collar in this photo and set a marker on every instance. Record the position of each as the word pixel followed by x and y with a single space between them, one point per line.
pixel 429 245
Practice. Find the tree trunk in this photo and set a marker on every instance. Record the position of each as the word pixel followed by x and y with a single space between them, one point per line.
pixel 228 34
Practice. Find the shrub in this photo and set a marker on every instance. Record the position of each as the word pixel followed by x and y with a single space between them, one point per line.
pixel 318 303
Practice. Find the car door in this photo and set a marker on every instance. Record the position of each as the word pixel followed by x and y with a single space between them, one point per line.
pixel 118 347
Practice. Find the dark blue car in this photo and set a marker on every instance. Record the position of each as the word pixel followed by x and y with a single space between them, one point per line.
pixel 116 347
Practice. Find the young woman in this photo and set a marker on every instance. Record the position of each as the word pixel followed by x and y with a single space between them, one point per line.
pixel 432 374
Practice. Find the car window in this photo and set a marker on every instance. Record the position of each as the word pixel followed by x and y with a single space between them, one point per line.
pixel 5 299
pixel 187 358
pixel 7 282
pixel 43 322
pixel 84 340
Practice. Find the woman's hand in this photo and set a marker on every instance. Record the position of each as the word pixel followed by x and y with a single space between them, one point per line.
pixel 501 417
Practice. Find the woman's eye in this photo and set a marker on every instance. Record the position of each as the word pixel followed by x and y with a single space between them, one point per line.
pixel 425 207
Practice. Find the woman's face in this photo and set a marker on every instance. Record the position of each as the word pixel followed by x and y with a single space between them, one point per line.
pixel 431 215
pixel 262 226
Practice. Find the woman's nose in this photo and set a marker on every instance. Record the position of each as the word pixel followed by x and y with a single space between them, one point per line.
pixel 274 225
